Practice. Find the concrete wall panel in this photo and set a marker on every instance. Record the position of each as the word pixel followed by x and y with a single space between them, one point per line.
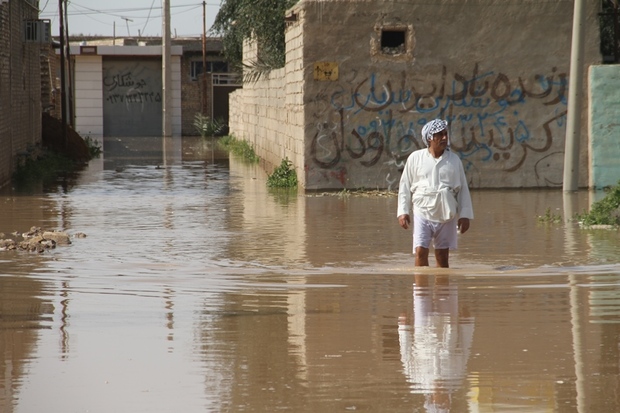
pixel 604 126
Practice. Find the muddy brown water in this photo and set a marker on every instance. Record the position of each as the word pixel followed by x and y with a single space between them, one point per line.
pixel 199 290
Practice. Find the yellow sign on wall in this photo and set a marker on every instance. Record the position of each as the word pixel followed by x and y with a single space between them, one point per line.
pixel 325 71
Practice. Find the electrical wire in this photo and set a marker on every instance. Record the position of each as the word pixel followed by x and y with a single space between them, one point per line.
pixel 76 10
pixel 46 3
pixel 148 17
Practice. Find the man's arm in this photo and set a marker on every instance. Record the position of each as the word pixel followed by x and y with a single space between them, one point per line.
pixel 462 225
pixel 404 220
pixel 463 198
pixel 404 195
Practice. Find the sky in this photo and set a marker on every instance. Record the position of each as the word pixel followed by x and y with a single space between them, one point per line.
pixel 131 17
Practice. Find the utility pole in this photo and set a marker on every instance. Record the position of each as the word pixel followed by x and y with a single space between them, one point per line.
pixel 69 98
pixel 127 22
pixel 204 57
pixel 63 96
pixel 166 72
pixel 575 91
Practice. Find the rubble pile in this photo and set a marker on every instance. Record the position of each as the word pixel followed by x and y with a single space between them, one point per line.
pixel 36 240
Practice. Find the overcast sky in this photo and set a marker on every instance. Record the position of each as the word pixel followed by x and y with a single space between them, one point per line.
pixel 131 17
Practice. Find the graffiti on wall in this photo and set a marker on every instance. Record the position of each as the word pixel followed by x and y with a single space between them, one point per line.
pixel 494 118
pixel 124 88
pixel 132 97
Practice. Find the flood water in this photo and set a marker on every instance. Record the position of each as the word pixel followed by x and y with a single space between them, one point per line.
pixel 197 289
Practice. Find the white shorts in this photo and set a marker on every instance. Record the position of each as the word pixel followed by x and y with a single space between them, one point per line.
pixel 443 235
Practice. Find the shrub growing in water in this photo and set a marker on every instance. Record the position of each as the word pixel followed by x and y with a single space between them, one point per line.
pixel 206 126
pixel 605 211
pixel 284 176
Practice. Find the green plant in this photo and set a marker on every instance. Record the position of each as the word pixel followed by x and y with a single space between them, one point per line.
pixel 284 176
pixel 260 20
pixel 238 147
pixel 45 168
pixel 94 148
pixel 550 217
pixel 255 70
pixel 345 193
pixel 206 126
pixel 605 211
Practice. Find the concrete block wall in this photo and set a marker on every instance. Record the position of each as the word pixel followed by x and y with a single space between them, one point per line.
pixel 89 96
pixel 294 90
pixel 177 108
pixel 20 87
pixel 269 113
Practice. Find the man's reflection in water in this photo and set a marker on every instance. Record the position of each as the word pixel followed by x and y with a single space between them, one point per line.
pixel 435 345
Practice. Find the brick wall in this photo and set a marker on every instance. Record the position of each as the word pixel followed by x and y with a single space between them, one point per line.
pixel 20 87
pixel 191 96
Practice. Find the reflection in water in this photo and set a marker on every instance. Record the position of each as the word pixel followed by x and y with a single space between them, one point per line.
pixel 199 290
pixel 22 314
pixel 435 347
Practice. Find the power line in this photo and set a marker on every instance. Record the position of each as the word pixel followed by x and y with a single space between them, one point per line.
pixel 79 10
pixel 46 3
pixel 148 17
pixel 140 15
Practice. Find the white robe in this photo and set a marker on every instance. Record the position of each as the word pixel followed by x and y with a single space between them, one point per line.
pixel 436 188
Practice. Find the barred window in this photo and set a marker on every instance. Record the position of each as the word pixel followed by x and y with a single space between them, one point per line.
pixel 212 67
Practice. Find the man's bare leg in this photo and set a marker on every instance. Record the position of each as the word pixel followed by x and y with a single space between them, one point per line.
pixel 441 255
pixel 421 257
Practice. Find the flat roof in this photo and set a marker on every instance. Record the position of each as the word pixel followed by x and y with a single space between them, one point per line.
pixel 122 50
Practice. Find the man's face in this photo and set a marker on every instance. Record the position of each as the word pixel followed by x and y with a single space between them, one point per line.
pixel 440 140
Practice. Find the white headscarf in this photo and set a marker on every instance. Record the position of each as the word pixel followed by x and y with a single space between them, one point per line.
pixel 431 128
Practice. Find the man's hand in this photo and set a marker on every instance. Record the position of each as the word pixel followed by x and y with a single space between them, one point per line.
pixel 404 220
pixel 463 225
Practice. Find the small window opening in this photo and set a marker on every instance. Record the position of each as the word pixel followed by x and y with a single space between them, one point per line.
pixel 392 41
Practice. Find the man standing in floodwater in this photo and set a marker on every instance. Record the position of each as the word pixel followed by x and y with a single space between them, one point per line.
pixel 434 184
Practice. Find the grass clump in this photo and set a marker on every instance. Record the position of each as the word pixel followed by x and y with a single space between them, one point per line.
pixel 206 126
pixel 345 193
pixel 550 217
pixel 239 147
pixel 284 176
pixel 605 211
pixel 94 148
pixel 46 168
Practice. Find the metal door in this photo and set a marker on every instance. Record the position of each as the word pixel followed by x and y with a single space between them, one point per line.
pixel 132 97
